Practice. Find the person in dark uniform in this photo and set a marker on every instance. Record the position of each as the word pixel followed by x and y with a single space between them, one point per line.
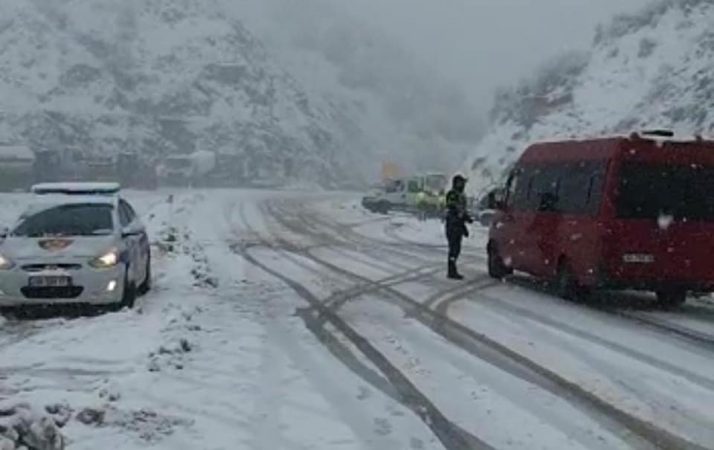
pixel 457 217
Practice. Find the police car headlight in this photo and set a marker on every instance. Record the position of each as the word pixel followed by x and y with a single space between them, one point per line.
pixel 108 259
pixel 6 263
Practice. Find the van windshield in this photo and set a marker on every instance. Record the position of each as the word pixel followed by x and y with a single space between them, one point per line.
pixel 648 191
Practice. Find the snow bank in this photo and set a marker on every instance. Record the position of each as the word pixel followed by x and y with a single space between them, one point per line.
pixel 22 427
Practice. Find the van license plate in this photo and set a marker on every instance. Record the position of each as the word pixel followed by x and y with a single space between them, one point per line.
pixel 50 281
pixel 638 258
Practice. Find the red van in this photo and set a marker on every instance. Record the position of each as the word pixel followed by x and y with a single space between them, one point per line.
pixel 620 213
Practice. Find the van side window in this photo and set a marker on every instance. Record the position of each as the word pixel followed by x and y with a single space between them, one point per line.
pixel 581 185
pixel 596 188
pixel 544 187
pixel 511 187
pixel 576 185
pixel 518 193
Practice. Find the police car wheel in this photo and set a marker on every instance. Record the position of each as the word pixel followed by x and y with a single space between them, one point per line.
pixel 145 286
pixel 129 295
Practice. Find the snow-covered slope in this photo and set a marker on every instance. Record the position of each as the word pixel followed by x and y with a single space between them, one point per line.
pixel 651 69
pixel 402 108
pixel 171 76
pixel 162 76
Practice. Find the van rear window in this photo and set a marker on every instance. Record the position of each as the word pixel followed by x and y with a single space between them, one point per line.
pixel 648 191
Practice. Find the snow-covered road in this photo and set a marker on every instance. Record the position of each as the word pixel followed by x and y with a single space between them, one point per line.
pixel 299 321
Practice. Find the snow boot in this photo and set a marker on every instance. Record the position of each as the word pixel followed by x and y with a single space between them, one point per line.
pixel 453 273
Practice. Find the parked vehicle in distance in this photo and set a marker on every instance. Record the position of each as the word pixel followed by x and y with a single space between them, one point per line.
pixel 374 202
pixel 192 169
pixel 404 194
pixel 631 212
pixel 483 210
pixel 386 197
pixel 76 243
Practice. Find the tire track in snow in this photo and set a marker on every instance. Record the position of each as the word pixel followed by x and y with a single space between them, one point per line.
pixel 704 340
pixel 339 235
pixel 491 301
pixel 701 339
pixel 483 347
pixel 401 243
pixel 450 435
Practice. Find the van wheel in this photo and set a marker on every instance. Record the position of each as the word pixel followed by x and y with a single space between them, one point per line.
pixel 671 298
pixel 496 267
pixel 567 286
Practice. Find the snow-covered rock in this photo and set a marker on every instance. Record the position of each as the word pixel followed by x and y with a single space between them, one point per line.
pixel 22 427
pixel 652 69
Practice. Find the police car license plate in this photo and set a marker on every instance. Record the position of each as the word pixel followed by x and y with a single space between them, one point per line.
pixel 50 281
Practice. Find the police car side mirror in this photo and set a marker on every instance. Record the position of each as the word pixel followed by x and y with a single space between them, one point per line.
pixel 131 230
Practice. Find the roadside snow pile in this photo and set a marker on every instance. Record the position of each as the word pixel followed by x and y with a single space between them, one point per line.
pixel 147 424
pixel 648 70
pixel 22 427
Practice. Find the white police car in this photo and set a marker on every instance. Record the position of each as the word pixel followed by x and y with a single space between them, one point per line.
pixel 75 243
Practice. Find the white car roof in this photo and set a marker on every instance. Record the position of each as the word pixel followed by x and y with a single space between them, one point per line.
pixel 79 189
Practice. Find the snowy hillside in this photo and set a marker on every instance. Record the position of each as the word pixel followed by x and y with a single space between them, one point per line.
pixel 161 77
pixel 651 69
pixel 171 76
pixel 401 107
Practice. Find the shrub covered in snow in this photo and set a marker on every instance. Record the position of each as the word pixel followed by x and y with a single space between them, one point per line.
pixel 22 427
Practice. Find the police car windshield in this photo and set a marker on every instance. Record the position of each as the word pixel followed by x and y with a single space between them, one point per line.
pixel 68 220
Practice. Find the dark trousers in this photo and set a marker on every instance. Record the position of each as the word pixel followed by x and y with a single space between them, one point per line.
pixel 454 239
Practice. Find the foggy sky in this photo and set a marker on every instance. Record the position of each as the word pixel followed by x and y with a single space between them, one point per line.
pixel 482 44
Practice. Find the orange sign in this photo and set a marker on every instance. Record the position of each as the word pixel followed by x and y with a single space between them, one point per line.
pixel 390 171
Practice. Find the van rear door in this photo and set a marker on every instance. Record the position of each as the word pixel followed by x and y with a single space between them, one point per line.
pixel 664 231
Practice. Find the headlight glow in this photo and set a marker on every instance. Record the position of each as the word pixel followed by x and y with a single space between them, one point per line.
pixel 109 259
pixel 5 263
